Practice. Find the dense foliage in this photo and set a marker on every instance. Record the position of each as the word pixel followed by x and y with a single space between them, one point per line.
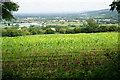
pixel 92 26
pixel 7 9
pixel 115 5
pixel 62 30
pixel 49 31
pixel 12 33
pixel 77 29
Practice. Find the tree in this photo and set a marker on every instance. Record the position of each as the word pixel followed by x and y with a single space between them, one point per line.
pixel 33 30
pixel 7 9
pixel 115 5
pixel 44 28
pixel 70 31
pixel 62 30
pixel 49 31
pixel 102 29
pixel 77 29
pixel 12 32
pixel 57 28
pixel 112 28
pixel 92 25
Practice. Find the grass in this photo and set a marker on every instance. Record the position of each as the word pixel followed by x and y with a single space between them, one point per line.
pixel 58 55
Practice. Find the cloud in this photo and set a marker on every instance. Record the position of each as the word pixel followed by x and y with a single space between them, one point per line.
pixel 37 6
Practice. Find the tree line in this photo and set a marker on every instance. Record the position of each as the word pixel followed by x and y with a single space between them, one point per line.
pixel 92 27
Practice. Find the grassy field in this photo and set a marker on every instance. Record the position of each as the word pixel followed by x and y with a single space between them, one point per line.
pixel 57 55
pixel 65 23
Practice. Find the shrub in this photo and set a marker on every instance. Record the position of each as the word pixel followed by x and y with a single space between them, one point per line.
pixel 40 32
pixel 102 29
pixel 77 29
pixel 62 30
pixel 49 31
pixel 33 31
pixel 12 33
pixel 83 30
pixel 25 31
pixel 70 31
pixel 23 28
pixel 44 28
pixel 4 33
pixel 112 28
pixel 5 28
pixel 72 25
pixel 57 28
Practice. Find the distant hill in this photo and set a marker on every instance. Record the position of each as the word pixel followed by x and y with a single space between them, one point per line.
pixel 100 12
pixel 104 13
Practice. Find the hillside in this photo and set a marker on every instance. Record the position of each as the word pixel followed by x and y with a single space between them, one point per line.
pixel 104 13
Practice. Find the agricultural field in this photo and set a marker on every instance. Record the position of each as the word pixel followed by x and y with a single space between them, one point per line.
pixel 64 23
pixel 57 55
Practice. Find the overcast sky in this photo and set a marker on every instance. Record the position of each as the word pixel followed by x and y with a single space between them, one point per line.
pixel 60 6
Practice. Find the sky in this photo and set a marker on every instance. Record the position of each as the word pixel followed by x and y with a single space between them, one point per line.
pixel 61 6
